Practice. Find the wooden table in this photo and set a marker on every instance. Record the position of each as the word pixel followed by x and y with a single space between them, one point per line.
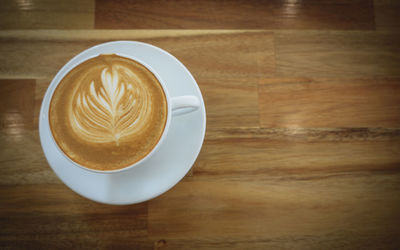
pixel 302 149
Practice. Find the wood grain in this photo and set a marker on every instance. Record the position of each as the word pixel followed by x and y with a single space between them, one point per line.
pixel 41 86
pixel 41 53
pixel 22 159
pixel 238 14
pixel 46 14
pixel 230 102
pixel 96 240
pixel 34 56
pixel 64 219
pixel 297 152
pixel 337 54
pixel 79 35
pixel 341 210
pixel 387 15
pixel 334 240
pixel 245 55
pixel 37 59
pixel 16 105
pixel 305 102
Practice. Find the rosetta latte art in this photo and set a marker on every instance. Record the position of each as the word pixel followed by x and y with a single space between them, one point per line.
pixel 108 112
pixel 114 108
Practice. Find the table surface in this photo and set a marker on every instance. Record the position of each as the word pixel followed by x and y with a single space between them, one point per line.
pixel 302 149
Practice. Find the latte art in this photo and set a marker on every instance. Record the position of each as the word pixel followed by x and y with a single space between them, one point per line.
pixel 111 110
pixel 108 112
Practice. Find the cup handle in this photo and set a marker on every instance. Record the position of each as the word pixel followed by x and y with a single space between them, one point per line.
pixel 184 104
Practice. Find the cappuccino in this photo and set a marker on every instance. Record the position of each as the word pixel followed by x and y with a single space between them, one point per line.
pixel 108 112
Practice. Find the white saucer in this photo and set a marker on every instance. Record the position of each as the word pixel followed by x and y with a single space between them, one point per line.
pixel 161 172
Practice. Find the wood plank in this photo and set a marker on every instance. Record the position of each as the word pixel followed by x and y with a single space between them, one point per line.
pixel 53 215
pixel 286 153
pixel 81 240
pixel 230 102
pixel 339 210
pixel 36 59
pixel 47 14
pixel 238 14
pixel 308 103
pixel 207 56
pixel 334 240
pixel 387 14
pixel 41 86
pixel 337 54
pixel 246 55
pixel 324 15
pixel 41 53
pixel 16 105
pixel 77 35
pixel 21 157
pixel 22 160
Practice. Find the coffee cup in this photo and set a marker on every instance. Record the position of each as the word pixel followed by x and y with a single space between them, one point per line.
pixel 97 104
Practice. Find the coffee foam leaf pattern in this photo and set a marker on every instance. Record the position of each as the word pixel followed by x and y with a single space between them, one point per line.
pixel 111 109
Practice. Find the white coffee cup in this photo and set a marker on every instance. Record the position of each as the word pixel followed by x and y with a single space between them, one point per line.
pixel 176 106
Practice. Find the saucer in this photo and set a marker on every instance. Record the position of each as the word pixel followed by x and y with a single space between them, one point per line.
pixel 166 167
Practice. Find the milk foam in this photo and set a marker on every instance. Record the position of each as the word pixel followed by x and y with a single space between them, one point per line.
pixel 112 109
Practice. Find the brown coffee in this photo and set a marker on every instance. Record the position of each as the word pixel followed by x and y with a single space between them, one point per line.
pixel 108 112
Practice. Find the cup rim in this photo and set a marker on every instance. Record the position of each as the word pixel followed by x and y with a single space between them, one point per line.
pixel 74 65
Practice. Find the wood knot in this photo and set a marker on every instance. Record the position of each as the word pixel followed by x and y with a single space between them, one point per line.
pixel 161 243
